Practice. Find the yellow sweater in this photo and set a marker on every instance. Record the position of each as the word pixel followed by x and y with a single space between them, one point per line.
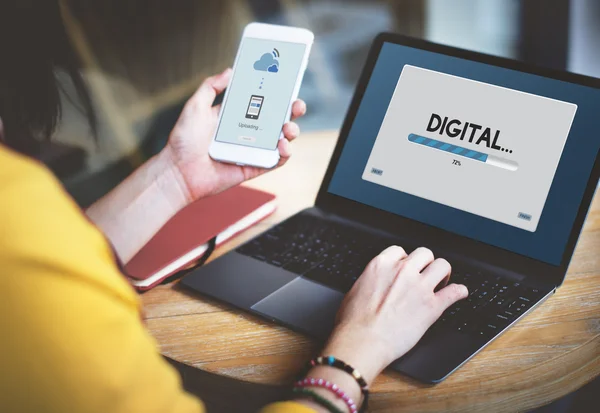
pixel 71 335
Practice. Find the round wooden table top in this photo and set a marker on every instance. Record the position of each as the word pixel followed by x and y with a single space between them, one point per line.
pixel 550 353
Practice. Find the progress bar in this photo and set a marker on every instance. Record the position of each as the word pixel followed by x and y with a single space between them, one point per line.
pixel 464 152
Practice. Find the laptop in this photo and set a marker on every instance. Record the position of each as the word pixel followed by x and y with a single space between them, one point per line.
pixel 489 162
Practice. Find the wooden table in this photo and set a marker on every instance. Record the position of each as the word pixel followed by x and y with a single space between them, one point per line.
pixel 552 352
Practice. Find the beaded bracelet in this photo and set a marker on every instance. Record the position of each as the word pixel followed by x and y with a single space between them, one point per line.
pixel 341 365
pixel 317 398
pixel 332 387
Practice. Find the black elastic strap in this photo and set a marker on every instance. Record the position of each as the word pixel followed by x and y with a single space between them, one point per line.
pixel 211 247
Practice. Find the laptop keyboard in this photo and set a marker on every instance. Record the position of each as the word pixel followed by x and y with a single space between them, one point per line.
pixel 493 303
pixel 336 255
pixel 331 254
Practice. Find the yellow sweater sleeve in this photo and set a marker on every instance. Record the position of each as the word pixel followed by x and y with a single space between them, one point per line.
pixel 71 335
pixel 287 407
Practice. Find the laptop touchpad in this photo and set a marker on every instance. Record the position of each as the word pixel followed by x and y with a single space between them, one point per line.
pixel 303 305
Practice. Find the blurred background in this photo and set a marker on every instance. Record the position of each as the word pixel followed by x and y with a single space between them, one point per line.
pixel 143 58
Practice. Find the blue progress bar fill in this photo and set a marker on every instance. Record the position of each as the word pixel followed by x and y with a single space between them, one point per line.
pixel 446 147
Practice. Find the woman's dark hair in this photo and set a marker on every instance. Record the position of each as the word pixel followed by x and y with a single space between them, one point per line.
pixel 33 46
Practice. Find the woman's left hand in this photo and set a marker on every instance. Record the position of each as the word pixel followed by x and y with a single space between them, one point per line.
pixel 191 137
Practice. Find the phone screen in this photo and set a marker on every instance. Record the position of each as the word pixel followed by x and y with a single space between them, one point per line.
pixel 260 92
pixel 254 107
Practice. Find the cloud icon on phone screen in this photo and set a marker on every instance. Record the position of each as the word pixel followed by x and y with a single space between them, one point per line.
pixel 267 63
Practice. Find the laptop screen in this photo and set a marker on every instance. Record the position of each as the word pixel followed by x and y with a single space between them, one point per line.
pixel 490 153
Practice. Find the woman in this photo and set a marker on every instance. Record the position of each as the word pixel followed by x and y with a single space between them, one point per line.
pixel 72 338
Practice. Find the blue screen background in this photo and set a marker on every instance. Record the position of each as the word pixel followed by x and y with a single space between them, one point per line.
pixel 548 242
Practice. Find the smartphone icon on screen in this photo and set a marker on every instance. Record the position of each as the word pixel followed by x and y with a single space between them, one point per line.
pixel 254 107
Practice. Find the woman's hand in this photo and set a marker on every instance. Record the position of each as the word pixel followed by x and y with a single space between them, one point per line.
pixel 181 173
pixel 384 315
pixel 190 139
pixel 390 307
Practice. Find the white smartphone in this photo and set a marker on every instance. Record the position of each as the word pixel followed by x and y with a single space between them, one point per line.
pixel 267 74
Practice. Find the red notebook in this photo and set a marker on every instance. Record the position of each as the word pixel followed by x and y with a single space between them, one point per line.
pixel 185 237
